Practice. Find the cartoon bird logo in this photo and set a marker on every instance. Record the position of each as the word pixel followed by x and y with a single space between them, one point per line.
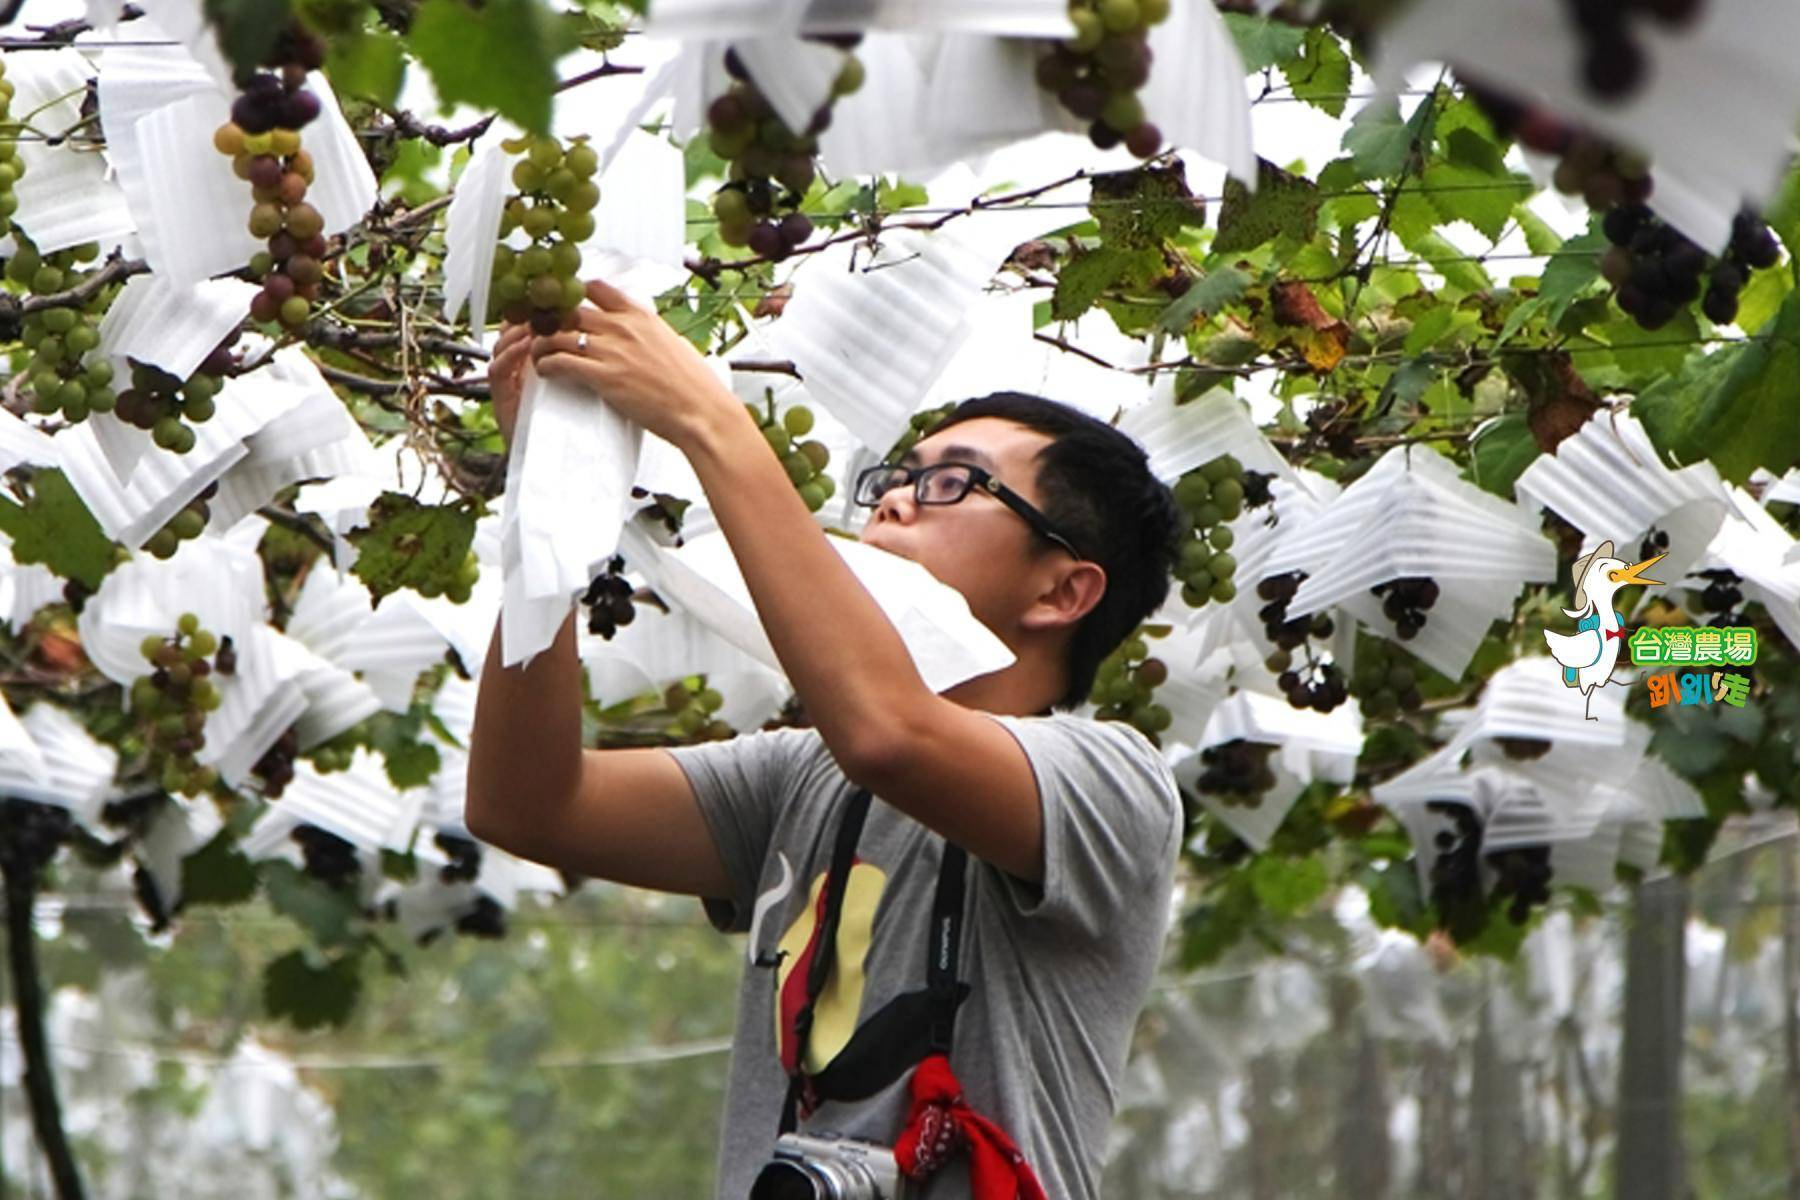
pixel 1588 656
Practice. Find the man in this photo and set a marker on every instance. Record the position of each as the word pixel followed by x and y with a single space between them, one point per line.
pixel 1051 526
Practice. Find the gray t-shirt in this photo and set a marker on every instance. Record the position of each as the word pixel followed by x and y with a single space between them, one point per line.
pixel 1059 973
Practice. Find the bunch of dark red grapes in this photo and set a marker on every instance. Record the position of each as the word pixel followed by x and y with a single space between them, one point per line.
pixel 465 858
pixel 1613 61
pixel 1097 74
pixel 328 858
pixel 1721 597
pixel 1405 603
pixel 608 599
pixel 1237 772
pixel 1317 683
pixel 263 140
pixel 1600 172
pixel 276 767
pixel 1657 271
pixel 771 166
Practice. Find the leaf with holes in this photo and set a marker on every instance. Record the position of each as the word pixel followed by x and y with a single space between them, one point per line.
pixel 1282 204
pixel 55 528
pixel 413 545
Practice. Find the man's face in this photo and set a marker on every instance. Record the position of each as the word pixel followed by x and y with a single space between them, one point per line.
pixel 978 546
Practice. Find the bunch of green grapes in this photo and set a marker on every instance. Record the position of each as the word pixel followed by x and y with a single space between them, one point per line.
pixel 1097 73
pixel 920 426
pixel 12 167
pixel 169 406
pixel 554 206
pixel 170 704
pixel 59 375
pixel 1385 680
pixel 1126 681
pixel 184 526
pixel 806 461
pixel 771 165
pixel 459 589
pixel 693 707
pixel 1208 496
pixel 262 139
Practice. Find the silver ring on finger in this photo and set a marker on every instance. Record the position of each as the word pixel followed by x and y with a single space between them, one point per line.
pixel 581 343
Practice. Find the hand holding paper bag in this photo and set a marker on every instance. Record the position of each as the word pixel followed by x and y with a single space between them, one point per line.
pixel 637 363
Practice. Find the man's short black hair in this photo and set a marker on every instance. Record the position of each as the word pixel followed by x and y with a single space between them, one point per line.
pixel 1095 486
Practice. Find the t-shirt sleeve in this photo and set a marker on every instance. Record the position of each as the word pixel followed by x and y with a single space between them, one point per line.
pixel 1111 818
pixel 740 785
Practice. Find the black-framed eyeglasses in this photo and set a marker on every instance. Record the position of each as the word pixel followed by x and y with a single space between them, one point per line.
pixel 948 483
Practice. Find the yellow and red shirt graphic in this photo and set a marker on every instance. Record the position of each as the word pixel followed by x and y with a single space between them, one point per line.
pixel 835 1012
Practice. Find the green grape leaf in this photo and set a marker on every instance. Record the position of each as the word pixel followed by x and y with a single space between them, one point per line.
pixel 55 528
pixel 1282 203
pixel 1263 43
pixel 1321 75
pixel 1143 207
pixel 1084 277
pixel 1204 297
pixel 1762 297
pixel 1574 265
pixel 1644 356
pixel 1453 263
pixel 1466 193
pixel 1539 237
pixel 409 544
pixel 1783 215
pixel 500 56
pixel 1395 899
pixel 1287 887
pixel 1499 938
pixel 217 873
pixel 246 30
pixel 333 918
pixel 412 764
pixel 310 996
pixel 1739 414
pixel 1501 452
pixel 368 65
pixel 1378 141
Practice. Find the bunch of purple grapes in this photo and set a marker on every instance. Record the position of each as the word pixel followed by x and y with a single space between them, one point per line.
pixel 263 141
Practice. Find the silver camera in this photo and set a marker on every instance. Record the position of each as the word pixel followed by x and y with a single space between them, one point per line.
pixel 828 1168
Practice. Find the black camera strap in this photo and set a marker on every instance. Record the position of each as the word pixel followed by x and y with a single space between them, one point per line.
pixel 909 1027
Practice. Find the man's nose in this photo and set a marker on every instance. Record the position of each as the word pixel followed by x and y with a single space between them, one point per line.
pixel 897 504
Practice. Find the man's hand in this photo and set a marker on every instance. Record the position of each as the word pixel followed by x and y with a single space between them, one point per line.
pixel 506 376
pixel 638 365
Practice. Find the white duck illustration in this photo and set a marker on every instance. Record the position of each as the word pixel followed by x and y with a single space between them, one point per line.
pixel 1588 656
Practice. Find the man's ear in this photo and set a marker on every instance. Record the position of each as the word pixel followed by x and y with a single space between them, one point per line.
pixel 1070 596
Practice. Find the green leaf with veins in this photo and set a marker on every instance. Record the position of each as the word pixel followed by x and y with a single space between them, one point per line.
pixel 1321 75
pixel 1282 204
pixel 55 528
pixel 1205 297
pixel 1264 43
pixel 310 996
pixel 500 56
pixel 411 545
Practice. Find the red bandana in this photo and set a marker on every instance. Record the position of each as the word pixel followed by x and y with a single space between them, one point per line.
pixel 941 1123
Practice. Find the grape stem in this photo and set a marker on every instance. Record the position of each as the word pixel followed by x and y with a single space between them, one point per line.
pixel 709 269
pixel 600 72
pixel 116 270
pixel 405 125
pixel 62 33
